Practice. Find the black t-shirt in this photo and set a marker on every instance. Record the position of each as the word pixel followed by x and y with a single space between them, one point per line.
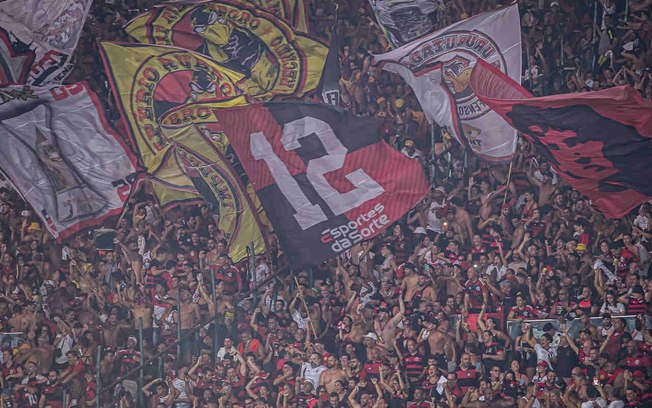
pixel 566 360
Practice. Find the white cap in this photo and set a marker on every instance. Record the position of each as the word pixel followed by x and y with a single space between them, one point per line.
pixel 371 335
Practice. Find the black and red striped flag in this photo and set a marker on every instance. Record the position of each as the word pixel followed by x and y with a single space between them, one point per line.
pixel 326 180
pixel 599 142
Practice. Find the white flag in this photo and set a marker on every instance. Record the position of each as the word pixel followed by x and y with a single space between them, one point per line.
pixel 438 67
pixel 403 21
pixel 61 155
pixel 38 38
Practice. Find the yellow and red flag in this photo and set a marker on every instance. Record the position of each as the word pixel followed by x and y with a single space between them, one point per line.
pixel 265 49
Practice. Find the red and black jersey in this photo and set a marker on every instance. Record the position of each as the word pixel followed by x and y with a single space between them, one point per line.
pixel 467 378
pixel 638 363
pixel 606 378
pixel 475 290
pixel 525 313
pixel 414 365
pixel 370 368
pixel 230 276
pixel 128 360
pixel 26 398
pixel 636 306
pixel 53 395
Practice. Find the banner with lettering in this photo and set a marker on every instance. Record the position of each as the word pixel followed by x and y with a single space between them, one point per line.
pixel 60 153
pixel 264 49
pixel 326 180
pixel 38 39
pixel 438 66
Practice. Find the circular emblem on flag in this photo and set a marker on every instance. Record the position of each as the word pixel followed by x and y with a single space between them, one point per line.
pixel 455 54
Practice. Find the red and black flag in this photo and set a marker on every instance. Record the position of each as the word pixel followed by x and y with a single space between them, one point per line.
pixel 330 79
pixel 326 180
pixel 599 142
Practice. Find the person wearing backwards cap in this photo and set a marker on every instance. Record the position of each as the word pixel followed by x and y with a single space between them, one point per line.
pixel 128 357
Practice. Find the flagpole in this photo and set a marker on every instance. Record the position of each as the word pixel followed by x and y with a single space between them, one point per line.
pixel 305 305
pixel 509 173
pixel 595 29
pixel 509 178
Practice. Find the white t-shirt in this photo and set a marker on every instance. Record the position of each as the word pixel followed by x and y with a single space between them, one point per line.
pixel 598 402
pixel 180 385
pixel 543 354
pixel 312 374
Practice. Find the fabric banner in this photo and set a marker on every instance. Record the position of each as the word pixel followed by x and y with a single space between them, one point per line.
pixel 438 67
pixel 326 180
pixel 403 21
pixel 150 80
pixel 167 96
pixel 330 81
pixel 228 200
pixel 264 49
pixel 292 11
pixel 599 142
pixel 73 170
pixel 38 38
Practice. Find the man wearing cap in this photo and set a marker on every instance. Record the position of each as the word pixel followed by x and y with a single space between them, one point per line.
pixel 410 150
pixel 129 357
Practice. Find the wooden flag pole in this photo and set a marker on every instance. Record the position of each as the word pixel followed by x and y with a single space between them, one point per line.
pixel 305 305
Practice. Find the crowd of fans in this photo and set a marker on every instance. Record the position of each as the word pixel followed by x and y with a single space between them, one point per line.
pixel 440 310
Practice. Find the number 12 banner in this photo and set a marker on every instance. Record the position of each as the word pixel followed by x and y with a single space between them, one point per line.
pixel 326 180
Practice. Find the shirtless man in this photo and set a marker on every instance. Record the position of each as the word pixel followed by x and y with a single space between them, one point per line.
pixel 463 219
pixel 141 309
pixel 363 322
pixel 190 317
pixel 546 188
pixel 385 327
pixel 111 329
pixel 332 374
pixel 440 342
pixel 410 283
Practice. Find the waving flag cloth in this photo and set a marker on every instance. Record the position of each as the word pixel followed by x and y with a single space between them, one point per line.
pixel 438 66
pixel 149 80
pixel 38 38
pixel 231 207
pixel 167 96
pixel 599 142
pixel 60 153
pixel 264 49
pixel 293 11
pixel 330 81
pixel 326 180
pixel 403 21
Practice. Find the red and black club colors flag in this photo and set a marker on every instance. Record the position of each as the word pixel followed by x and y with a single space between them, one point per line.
pixel 599 142
pixel 326 180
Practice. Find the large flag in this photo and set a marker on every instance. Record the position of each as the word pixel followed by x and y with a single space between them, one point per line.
pixel 330 81
pixel 63 157
pixel 148 81
pixel 273 59
pixel 292 11
pixel 167 96
pixel 326 180
pixel 599 142
pixel 403 21
pixel 231 207
pixel 438 66
pixel 38 38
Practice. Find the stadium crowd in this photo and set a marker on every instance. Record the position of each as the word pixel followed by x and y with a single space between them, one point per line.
pixel 441 310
